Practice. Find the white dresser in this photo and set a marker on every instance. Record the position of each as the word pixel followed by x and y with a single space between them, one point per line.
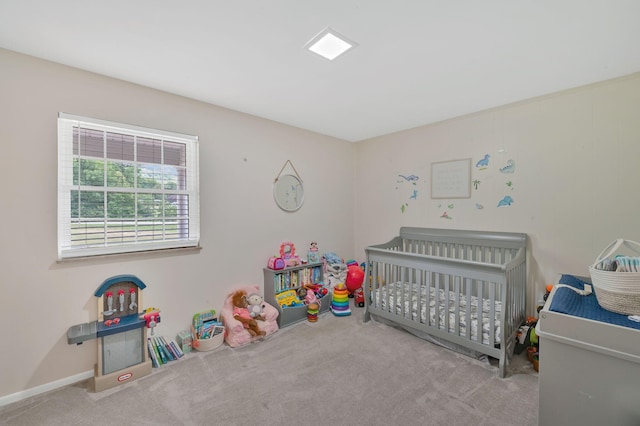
pixel 589 366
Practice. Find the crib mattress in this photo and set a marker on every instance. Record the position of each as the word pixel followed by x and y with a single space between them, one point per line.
pixel 438 306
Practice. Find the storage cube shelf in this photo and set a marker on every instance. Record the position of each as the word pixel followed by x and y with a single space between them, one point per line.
pixel 279 285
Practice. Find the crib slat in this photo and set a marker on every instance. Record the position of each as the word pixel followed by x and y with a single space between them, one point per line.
pixel 492 314
pixel 467 312
pixel 436 307
pixel 447 302
pixel 403 290
pixel 456 291
pixel 479 309
pixel 419 302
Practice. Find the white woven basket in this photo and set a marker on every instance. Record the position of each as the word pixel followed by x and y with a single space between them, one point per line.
pixel 617 291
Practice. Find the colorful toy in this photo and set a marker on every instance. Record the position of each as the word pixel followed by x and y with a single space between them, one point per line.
pixel 288 298
pixel 288 253
pixel 335 273
pixel 355 277
pixel 241 313
pixel 318 289
pixel 358 297
pixel 275 263
pixel 313 256
pixel 185 340
pixel 151 318
pixel 121 332
pixel 310 297
pixel 340 300
pixel 312 311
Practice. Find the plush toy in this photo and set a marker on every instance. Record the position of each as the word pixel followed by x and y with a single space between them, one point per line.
pixel 311 298
pixel 335 273
pixel 255 306
pixel 241 313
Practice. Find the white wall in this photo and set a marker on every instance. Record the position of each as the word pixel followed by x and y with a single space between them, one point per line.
pixel 576 185
pixel 240 156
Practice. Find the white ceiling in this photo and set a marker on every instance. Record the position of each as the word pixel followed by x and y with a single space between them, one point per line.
pixel 417 62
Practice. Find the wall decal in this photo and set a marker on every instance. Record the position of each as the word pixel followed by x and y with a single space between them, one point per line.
pixel 479 206
pixel 475 183
pixel 413 195
pixel 509 168
pixel 509 184
pixel 410 178
pixel 506 201
pixel 445 216
pixel 483 163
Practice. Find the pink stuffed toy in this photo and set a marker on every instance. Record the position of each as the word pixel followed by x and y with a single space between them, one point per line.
pixel 310 298
pixel 241 313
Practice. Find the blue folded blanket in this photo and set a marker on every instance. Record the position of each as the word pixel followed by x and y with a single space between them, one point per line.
pixel 567 301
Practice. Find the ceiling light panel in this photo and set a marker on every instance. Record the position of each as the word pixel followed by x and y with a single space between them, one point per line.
pixel 330 44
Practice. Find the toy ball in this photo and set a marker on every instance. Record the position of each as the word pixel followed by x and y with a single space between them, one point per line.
pixel 355 277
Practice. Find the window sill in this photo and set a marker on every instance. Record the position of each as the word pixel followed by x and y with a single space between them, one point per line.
pixel 144 253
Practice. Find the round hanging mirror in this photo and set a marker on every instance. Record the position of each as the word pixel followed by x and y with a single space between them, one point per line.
pixel 288 192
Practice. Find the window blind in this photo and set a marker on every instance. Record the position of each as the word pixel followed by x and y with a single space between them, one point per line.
pixel 124 188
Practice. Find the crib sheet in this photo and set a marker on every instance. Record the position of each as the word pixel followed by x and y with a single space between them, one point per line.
pixel 401 291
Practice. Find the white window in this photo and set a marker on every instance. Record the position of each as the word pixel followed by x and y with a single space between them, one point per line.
pixel 124 188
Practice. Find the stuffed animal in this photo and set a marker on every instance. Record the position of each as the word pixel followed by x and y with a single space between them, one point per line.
pixel 255 306
pixel 311 298
pixel 335 273
pixel 241 313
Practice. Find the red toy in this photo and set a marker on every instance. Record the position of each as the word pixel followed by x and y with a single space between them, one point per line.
pixel 355 277
pixel 358 295
pixel 151 318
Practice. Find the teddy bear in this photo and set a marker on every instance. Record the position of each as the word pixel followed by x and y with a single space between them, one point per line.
pixel 255 306
pixel 241 313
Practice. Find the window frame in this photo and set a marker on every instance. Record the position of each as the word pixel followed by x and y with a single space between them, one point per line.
pixel 66 185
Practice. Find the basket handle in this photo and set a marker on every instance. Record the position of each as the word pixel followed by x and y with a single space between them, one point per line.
pixel 613 247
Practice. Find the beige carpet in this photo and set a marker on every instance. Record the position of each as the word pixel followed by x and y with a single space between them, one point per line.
pixel 337 371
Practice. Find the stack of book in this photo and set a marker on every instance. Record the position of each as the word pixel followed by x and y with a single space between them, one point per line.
pixel 163 350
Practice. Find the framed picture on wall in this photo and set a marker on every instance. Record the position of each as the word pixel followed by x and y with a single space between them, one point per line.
pixel 451 179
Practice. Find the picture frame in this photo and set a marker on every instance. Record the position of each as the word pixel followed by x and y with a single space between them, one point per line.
pixel 451 179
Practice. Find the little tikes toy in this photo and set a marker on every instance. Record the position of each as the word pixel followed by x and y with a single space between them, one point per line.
pixel 121 331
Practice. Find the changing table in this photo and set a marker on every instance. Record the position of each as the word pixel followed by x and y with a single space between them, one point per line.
pixel 589 361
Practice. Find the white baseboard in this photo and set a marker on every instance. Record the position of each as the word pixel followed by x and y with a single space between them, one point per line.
pixel 19 396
